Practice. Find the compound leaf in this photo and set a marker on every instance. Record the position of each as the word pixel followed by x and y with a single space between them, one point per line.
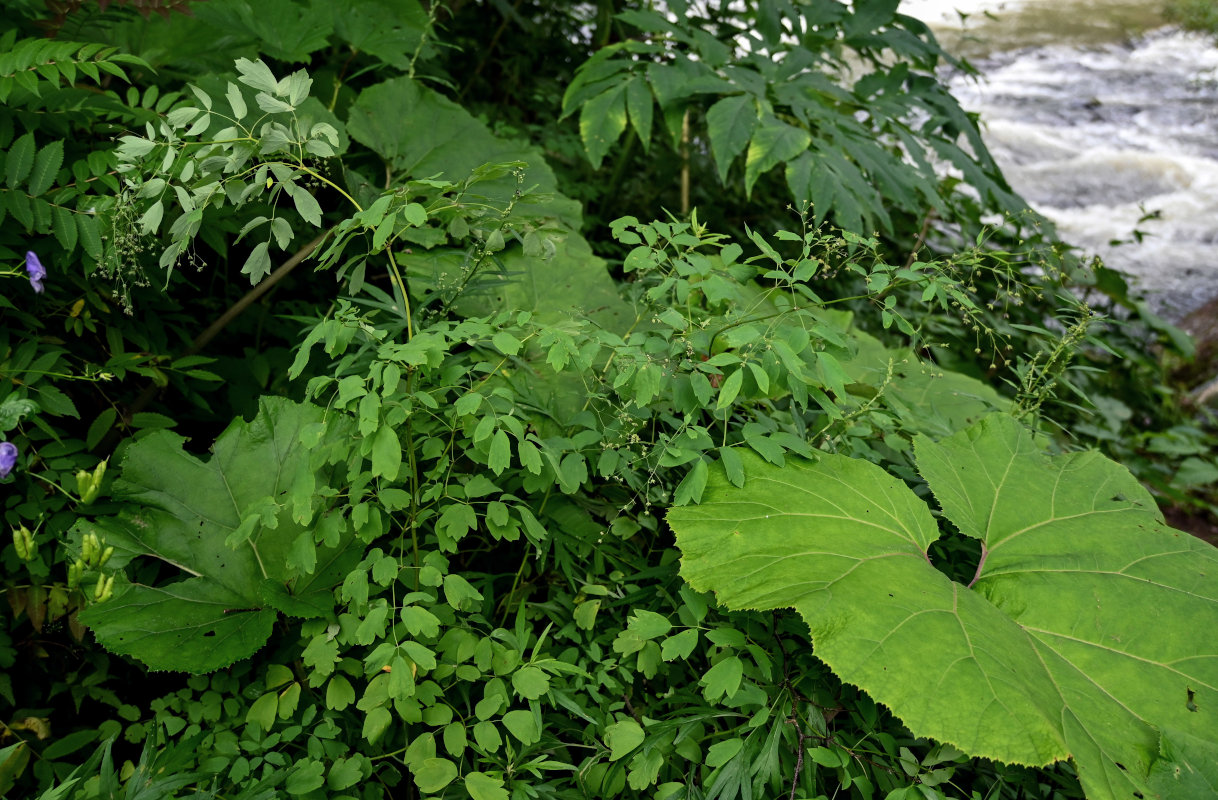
pixel 1074 640
pixel 927 398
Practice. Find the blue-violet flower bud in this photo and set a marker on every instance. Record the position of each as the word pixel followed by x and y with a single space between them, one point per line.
pixel 37 272
pixel 8 458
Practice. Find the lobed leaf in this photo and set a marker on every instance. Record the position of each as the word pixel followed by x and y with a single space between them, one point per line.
pixel 1073 641
pixel 184 512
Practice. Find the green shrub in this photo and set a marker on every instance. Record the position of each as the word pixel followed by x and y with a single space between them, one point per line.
pixel 338 442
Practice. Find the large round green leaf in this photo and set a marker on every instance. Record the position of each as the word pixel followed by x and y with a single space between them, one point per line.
pixel 1086 633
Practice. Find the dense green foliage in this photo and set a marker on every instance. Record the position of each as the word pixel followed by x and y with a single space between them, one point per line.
pixel 346 381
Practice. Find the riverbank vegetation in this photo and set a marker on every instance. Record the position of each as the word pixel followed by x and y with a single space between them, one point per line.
pixel 1194 15
pixel 430 401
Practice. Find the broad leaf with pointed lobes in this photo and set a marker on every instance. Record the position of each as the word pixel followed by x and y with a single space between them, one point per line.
pixel 238 525
pixel 1086 634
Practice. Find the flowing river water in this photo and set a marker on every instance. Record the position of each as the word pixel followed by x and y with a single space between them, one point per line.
pixel 1106 120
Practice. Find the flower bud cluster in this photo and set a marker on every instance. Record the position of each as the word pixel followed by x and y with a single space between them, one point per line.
pixel 93 555
pixel 88 484
pixel 92 552
pixel 23 543
pixel 104 590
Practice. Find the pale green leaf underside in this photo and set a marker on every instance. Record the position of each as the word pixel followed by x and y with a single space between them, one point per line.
pixel 1078 640
pixel 183 511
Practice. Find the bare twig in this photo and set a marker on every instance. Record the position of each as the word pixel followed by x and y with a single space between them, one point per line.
pixel 685 163
pixel 630 708
pixel 253 294
pixel 920 240
pixel 220 324
pixel 799 747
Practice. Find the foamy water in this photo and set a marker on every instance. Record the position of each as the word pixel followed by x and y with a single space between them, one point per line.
pixel 1097 122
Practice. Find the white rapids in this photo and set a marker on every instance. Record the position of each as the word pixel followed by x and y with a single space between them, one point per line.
pixel 1106 122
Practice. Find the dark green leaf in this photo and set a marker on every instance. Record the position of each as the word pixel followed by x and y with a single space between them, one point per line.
pixel 601 121
pixel 65 229
pixel 46 166
pixel 19 160
pixel 730 123
pixel 773 142
pixel 391 30
pixel 640 106
pixel 181 510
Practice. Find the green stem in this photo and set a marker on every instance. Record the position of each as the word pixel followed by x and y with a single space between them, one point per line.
pixel 401 285
pixel 431 21
pixel 326 181
pixel 389 755
pixel 414 484
pixel 65 492
pixel 258 558
pixel 65 376
pixel 485 251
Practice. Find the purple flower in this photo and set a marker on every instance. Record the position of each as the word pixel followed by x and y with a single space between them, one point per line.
pixel 8 458
pixel 37 273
